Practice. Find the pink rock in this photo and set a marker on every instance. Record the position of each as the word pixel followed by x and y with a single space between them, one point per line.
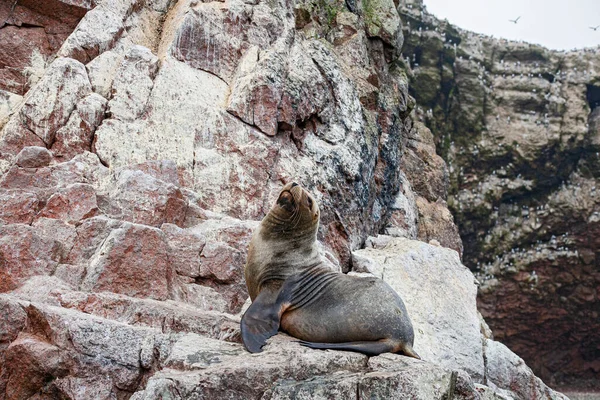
pixel 13 320
pixel 165 316
pixel 15 136
pixel 61 232
pixel 201 33
pixel 221 262
pixel 34 157
pixel 49 104
pixel 84 168
pixel 24 254
pixel 18 206
pixel 143 199
pixel 91 233
pixel 185 248
pixel 133 260
pixel 164 170
pixel 426 171
pixel 33 29
pixel 31 362
pixel 72 203
pixel 77 134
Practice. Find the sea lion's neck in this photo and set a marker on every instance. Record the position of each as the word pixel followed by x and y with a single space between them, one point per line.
pixel 273 259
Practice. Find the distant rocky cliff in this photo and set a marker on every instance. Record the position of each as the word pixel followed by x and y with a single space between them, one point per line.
pixel 519 126
pixel 139 148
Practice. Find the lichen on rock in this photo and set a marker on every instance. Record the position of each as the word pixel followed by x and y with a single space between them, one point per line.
pixel 134 170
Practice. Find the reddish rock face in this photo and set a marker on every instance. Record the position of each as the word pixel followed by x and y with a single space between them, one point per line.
pixel 18 206
pixel 140 198
pixel 72 204
pixel 139 162
pixel 24 254
pixel 30 363
pixel 32 31
pixel 33 157
pixel 133 260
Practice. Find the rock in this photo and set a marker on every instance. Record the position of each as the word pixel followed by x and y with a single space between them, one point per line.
pixel 507 370
pixel 112 349
pixel 8 102
pixel 132 84
pixel 18 206
pixel 101 71
pixel 281 75
pixel 13 138
pixel 132 261
pixel 164 170
pixel 424 168
pixel 98 31
pixel 219 261
pixel 13 321
pixel 404 218
pixel 32 33
pixel 436 223
pixel 72 203
pixel 168 317
pixel 411 268
pixel 382 20
pixel 143 199
pixel 48 106
pixel 77 134
pixel 91 233
pixel 524 212
pixel 61 232
pixel 207 37
pixel 33 157
pixel 84 168
pixel 185 248
pixel 24 254
pixel 31 362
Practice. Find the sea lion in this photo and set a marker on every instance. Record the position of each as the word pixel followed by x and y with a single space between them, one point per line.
pixel 292 289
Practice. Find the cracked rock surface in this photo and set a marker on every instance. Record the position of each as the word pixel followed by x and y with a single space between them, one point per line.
pixel 518 126
pixel 137 163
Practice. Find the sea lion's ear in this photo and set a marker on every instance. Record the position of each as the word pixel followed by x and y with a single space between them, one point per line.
pixel 286 201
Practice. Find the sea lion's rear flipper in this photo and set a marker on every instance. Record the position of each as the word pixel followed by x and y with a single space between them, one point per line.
pixel 260 321
pixel 407 350
pixel 368 348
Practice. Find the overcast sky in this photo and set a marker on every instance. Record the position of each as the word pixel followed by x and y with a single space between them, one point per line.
pixel 555 24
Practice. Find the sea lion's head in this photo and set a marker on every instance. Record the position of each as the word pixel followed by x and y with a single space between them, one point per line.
pixel 295 214
pixel 286 240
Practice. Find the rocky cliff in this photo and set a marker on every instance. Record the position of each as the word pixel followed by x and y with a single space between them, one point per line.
pixel 519 127
pixel 141 145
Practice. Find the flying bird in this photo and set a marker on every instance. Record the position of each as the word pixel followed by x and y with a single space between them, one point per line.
pixel 595 27
pixel 515 20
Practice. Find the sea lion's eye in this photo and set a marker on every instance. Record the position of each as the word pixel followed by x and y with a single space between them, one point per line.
pixel 310 203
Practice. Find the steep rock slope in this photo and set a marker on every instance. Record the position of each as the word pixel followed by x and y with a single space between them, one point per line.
pixel 518 125
pixel 135 169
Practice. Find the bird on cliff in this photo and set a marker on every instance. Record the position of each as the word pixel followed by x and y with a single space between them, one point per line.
pixel 595 28
pixel 515 20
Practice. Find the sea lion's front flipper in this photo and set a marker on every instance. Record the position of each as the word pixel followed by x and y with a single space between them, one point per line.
pixel 369 348
pixel 260 321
